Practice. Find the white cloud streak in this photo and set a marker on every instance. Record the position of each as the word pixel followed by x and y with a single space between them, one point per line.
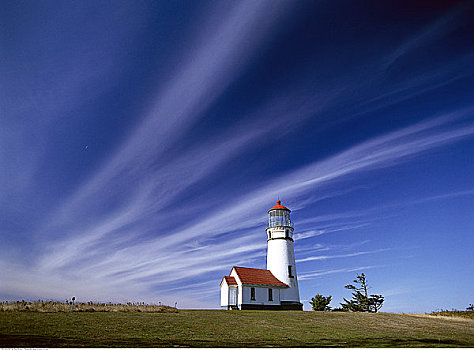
pixel 349 255
pixel 307 276
pixel 314 233
pixel 149 261
pixel 433 31
pixel 207 73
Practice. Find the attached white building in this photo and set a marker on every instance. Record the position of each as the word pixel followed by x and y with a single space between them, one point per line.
pixel 275 288
pixel 247 288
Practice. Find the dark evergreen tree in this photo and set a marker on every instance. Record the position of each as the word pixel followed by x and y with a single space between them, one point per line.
pixel 320 303
pixel 375 302
pixel 361 300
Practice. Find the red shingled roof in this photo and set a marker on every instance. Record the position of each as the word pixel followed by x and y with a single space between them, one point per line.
pixel 279 206
pixel 230 280
pixel 257 276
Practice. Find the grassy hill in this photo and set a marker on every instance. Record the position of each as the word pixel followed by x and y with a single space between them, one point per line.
pixel 215 328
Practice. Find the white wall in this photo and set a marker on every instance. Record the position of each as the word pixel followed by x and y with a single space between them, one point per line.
pixel 239 284
pixel 280 254
pixel 224 293
pixel 261 296
pixel 279 232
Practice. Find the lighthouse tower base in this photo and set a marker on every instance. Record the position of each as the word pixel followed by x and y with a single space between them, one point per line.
pixel 291 305
pixel 285 305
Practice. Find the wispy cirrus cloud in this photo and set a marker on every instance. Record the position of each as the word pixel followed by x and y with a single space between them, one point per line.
pixel 314 233
pixel 431 32
pixel 177 105
pixel 139 262
pixel 307 276
pixel 348 255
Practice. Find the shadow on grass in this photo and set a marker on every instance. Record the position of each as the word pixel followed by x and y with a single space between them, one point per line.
pixel 58 342
pixel 46 341
pixel 401 342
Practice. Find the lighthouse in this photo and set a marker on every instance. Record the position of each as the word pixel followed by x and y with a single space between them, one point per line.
pixel 281 252
pixel 274 288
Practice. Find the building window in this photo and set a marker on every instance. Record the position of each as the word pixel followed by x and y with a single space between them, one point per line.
pixel 290 271
pixel 270 294
pixel 287 233
pixel 269 234
pixel 252 293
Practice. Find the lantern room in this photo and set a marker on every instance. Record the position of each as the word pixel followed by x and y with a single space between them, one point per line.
pixel 279 215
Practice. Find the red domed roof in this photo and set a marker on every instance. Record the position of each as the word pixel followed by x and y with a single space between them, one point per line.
pixel 279 206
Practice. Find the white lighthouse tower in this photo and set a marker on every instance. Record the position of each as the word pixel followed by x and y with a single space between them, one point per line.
pixel 281 254
pixel 275 288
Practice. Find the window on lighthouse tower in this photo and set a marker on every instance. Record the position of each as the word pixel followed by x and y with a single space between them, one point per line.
pixel 290 272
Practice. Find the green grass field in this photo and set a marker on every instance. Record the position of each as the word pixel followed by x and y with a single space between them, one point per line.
pixel 215 328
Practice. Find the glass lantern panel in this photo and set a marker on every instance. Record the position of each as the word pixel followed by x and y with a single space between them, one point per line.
pixel 279 218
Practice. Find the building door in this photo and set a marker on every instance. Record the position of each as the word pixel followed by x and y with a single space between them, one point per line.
pixel 232 296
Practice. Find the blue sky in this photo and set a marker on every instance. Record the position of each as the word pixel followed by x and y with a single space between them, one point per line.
pixel 142 143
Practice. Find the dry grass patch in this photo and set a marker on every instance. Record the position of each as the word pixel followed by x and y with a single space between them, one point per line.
pixel 447 315
pixel 455 313
pixel 56 306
